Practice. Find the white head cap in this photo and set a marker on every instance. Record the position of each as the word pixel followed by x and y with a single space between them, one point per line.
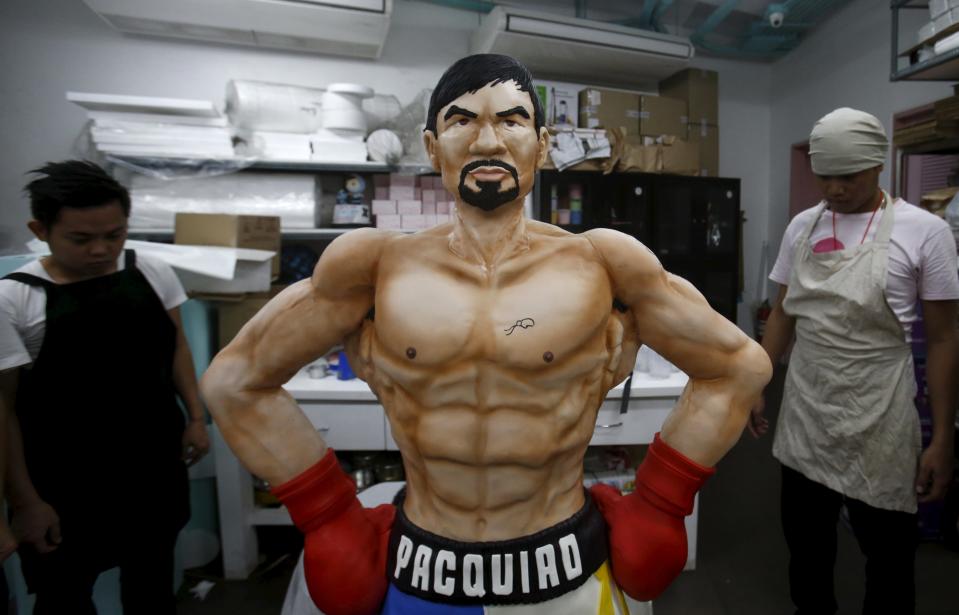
pixel 847 141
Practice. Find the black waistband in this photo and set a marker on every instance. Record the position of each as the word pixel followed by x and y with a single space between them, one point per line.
pixel 525 570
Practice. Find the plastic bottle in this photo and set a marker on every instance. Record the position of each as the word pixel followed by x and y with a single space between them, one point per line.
pixel 575 204
pixel 553 204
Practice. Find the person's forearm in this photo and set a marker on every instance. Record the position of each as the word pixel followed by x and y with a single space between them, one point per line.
pixel 19 487
pixel 264 426
pixel 184 380
pixel 778 333
pixel 942 362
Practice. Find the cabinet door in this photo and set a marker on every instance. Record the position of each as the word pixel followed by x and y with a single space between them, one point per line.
pixel 626 207
pixel 696 230
pixel 674 218
pixel 718 202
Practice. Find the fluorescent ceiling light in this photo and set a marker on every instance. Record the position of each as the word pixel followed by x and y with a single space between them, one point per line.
pixel 557 30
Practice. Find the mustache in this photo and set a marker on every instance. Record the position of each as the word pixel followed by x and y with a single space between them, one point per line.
pixel 476 164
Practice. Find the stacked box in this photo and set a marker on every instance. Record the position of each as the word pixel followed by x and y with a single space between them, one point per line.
pixel 706 137
pixel 602 108
pixel 638 114
pixel 659 115
pixel 699 89
pixel 411 202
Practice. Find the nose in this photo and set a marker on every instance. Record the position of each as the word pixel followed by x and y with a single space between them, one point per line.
pixel 99 247
pixel 833 188
pixel 487 142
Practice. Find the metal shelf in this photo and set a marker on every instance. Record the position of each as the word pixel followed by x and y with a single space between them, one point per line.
pixel 292 233
pixel 242 164
pixel 943 67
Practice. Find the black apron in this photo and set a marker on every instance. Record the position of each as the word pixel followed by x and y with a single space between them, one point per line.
pixel 101 426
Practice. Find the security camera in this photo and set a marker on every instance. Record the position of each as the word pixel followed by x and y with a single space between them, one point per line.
pixel 776 19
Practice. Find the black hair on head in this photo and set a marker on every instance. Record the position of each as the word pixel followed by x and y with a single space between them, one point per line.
pixel 474 72
pixel 72 183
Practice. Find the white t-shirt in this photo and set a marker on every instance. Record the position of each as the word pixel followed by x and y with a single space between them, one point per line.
pixel 25 307
pixel 922 254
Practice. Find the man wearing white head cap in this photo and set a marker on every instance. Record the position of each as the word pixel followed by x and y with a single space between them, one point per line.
pixel 856 272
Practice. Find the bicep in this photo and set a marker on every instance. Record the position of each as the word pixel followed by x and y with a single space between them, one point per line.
pixel 675 320
pixel 308 317
pixel 293 329
pixel 671 316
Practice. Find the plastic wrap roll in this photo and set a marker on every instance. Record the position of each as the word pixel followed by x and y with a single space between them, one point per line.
pixel 380 110
pixel 291 196
pixel 273 107
pixel 343 107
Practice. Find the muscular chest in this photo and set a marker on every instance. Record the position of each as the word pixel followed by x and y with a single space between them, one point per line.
pixel 525 320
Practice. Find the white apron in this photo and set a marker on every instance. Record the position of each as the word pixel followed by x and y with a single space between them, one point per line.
pixel 848 419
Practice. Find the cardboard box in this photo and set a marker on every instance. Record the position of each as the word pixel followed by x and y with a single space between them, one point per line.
pixel 601 108
pixel 232 315
pixel 412 221
pixel 388 221
pixel 405 208
pixel 707 138
pixel 659 115
pixel 252 274
pixel 699 89
pixel 560 102
pixel 383 207
pixel 402 193
pixel 680 157
pixel 230 231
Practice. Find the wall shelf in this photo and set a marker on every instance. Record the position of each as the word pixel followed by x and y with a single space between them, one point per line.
pixel 237 164
pixel 290 233
pixel 943 67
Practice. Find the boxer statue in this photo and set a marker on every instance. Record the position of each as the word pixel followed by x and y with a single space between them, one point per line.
pixel 491 342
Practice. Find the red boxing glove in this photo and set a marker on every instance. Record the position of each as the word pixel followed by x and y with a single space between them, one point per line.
pixel 344 555
pixel 647 537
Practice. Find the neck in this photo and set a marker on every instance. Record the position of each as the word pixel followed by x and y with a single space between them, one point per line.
pixel 489 237
pixel 871 203
pixel 62 275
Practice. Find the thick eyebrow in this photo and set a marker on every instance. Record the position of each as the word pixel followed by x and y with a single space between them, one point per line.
pixel 454 110
pixel 514 111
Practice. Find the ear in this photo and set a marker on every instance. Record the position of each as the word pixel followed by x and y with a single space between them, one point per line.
pixel 38 229
pixel 429 142
pixel 542 147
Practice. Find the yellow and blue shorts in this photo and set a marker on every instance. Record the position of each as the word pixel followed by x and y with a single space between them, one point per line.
pixel 561 570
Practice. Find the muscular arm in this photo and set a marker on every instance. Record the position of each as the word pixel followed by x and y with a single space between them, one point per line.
pixel 243 386
pixel 727 370
pixel 942 361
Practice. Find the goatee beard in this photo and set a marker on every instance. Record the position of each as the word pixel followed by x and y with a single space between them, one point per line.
pixel 489 196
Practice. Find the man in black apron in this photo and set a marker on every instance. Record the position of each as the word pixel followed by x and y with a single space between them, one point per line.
pixel 102 435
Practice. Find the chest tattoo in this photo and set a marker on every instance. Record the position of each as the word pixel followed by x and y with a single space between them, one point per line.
pixel 524 323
